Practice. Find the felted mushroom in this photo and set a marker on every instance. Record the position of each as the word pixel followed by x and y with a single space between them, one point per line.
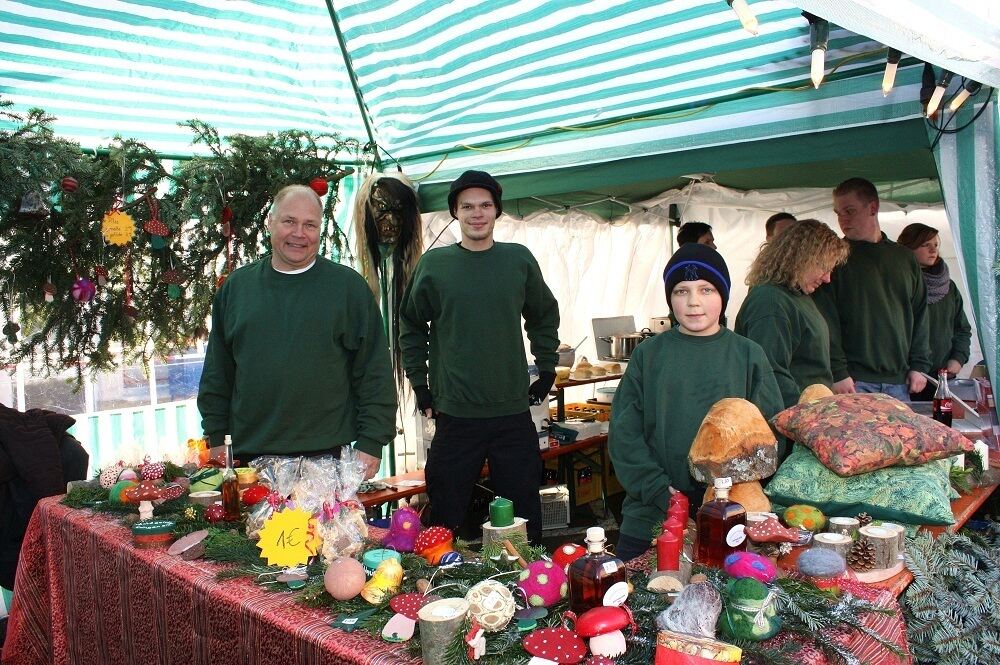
pixel 432 543
pixel 599 660
pixel 566 554
pixel 170 491
pixel 144 494
pixel 402 624
pixel 554 646
pixel 771 531
pixel 603 625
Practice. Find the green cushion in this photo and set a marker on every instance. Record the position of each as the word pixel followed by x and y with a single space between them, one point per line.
pixel 911 494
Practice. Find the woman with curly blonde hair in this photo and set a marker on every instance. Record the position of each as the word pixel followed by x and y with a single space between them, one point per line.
pixel 779 313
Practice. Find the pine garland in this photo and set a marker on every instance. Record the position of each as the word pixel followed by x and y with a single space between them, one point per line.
pixel 952 608
pixel 240 175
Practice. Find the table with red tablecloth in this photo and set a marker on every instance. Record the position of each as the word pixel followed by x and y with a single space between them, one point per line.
pixel 84 594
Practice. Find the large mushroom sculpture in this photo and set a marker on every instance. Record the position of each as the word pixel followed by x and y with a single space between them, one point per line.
pixel 554 646
pixel 603 626
pixel 402 624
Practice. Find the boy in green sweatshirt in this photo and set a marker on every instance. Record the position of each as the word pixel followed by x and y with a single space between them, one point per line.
pixel 671 382
pixel 461 315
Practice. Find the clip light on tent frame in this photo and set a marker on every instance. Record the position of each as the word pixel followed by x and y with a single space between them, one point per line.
pixel 746 16
pixel 970 88
pixel 891 63
pixel 819 38
pixel 939 90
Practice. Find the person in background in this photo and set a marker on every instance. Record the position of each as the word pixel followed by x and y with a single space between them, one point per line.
pixel 695 232
pixel 671 382
pixel 297 360
pixel 463 352
pixel 777 223
pixel 875 304
pixel 950 332
pixel 778 312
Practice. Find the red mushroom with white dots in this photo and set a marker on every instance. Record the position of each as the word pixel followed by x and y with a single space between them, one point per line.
pixel 432 543
pixel 554 646
pixel 402 624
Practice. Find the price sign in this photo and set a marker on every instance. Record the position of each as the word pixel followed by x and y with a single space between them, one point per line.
pixel 118 227
pixel 285 538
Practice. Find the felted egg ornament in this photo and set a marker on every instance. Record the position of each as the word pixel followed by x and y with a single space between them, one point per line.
pixel 254 495
pixel 117 491
pixel 748 564
pixel 109 476
pixel 344 578
pixel 128 474
pixel 544 583
pixel 83 290
pixel 491 604
pixel 806 517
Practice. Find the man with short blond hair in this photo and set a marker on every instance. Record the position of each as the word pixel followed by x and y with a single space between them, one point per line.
pixel 297 360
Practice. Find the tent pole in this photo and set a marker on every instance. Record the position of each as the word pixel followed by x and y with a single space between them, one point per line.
pixel 354 82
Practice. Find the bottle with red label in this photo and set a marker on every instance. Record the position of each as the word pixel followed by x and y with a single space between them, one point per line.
pixel 721 525
pixel 942 400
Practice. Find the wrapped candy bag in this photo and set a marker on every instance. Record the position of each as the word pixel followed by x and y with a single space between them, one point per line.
pixel 279 474
pixel 342 522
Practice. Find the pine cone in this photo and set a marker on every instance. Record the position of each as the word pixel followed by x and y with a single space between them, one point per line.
pixel 864 518
pixel 861 556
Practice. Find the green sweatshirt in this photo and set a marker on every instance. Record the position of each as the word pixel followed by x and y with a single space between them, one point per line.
pixel 950 332
pixel 792 333
pixel 474 302
pixel 297 363
pixel 671 382
pixel 876 308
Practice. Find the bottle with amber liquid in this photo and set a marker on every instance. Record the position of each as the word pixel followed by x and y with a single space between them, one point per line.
pixel 598 578
pixel 720 524
pixel 230 486
pixel 942 400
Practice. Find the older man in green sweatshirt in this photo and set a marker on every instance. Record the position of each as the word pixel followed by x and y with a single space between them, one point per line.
pixel 875 304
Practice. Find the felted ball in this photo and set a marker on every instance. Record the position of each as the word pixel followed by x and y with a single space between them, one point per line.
pixel 344 578
pixel 128 474
pixel 805 517
pixel 83 290
pixel 117 491
pixel 818 562
pixel 215 513
pixel 254 495
pixel 319 185
pixel 748 564
pixel 544 583
pixel 450 559
pixel 491 604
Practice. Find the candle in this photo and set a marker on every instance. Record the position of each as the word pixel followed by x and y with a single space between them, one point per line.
pixel 676 509
pixel 501 512
pixel 680 498
pixel 675 525
pixel 668 552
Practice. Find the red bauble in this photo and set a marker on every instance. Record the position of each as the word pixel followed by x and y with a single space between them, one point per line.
pixel 215 513
pixel 319 186
pixel 69 184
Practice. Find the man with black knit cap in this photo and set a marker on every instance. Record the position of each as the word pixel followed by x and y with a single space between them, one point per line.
pixel 463 352
pixel 671 382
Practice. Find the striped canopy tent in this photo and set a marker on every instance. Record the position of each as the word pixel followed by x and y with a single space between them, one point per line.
pixel 598 103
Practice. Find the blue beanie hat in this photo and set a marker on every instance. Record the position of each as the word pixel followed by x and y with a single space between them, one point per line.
pixel 694 261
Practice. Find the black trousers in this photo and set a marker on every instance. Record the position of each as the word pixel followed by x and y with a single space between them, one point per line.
pixel 456 456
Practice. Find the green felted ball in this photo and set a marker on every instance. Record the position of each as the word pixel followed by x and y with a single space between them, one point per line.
pixel 805 517
pixel 115 493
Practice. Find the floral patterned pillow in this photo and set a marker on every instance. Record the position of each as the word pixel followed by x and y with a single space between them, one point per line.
pixel 862 432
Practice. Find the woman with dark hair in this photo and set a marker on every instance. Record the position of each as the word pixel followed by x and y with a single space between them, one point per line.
pixel 778 312
pixel 950 332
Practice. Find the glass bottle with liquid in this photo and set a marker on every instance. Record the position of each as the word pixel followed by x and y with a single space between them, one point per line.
pixel 721 525
pixel 230 486
pixel 942 400
pixel 598 578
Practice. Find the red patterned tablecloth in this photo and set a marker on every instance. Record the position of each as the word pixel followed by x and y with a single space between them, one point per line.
pixel 84 595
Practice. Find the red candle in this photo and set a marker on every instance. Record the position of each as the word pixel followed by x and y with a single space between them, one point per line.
pixel 678 511
pixel 668 552
pixel 675 525
pixel 681 499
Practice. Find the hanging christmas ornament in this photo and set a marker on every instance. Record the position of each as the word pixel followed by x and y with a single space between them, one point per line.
pixel 319 185
pixel 172 276
pixel 33 208
pixel 69 184
pixel 227 222
pixel 49 289
pixel 83 290
pixel 101 273
pixel 173 291
pixel 155 227
pixel 118 227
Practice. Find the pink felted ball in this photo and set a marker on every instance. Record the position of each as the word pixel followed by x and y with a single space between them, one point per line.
pixel 748 564
pixel 403 530
pixel 544 583
pixel 83 290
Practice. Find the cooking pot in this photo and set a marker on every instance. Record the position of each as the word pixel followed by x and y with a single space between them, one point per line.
pixel 622 346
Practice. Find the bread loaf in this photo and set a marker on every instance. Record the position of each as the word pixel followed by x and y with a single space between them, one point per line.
pixel 814 392
pixel 733 441
pixel 749 495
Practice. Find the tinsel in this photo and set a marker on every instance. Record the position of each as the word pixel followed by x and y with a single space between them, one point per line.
pixel 237 179
pixel 952 608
